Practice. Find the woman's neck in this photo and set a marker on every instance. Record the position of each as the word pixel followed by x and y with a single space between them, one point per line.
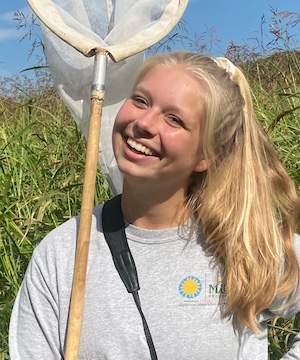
pixel 153 208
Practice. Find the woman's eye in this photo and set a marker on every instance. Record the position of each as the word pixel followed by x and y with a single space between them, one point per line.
pixel 139 100
pixel 175 121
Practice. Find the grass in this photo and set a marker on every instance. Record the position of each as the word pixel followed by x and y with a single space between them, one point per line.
pixel 276 94
pixel 41 170
pixel 281 335
pixel 42 157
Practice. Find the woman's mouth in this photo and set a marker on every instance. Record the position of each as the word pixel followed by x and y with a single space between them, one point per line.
pixel 139 147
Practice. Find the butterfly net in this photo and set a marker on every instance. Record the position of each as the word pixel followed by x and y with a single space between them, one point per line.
pixel 124 28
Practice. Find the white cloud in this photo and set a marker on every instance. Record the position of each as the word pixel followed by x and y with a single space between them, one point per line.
pixel 8 33
pixel 8 17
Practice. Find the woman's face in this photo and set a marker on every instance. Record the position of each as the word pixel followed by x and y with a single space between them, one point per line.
pixel 157 132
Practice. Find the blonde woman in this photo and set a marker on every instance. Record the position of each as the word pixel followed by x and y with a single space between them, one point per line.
pixel 210 216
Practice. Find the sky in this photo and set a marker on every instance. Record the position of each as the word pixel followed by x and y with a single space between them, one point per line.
pixel 233 20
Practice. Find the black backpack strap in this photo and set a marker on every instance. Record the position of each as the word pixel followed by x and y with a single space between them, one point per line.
pixel 114 232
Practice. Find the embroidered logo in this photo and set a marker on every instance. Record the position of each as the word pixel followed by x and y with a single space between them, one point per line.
pixel 190 287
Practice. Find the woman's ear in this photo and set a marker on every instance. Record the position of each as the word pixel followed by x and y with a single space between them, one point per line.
pixel 201 166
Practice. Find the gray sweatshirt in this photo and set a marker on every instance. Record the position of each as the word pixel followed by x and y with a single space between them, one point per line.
pixel 181 296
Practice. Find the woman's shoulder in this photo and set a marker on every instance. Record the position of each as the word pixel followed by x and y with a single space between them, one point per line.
pixel 62 239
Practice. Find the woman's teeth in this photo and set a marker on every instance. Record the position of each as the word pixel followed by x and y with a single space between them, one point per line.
pixel 141 148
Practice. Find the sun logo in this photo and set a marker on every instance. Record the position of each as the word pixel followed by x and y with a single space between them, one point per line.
pixel 190 287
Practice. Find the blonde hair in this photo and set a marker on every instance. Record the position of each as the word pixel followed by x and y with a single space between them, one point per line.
pixel 246 204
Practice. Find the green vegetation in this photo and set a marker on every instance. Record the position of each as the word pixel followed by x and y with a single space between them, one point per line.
pixel 42 157
pixel 275 82
pixel 41 170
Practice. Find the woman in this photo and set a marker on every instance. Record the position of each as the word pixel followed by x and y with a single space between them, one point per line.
pixel 210 219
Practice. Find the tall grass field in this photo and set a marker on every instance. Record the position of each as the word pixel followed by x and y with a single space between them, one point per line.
pixel 42 158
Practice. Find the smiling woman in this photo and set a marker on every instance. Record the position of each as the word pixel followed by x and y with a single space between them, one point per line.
pixel 209 215
pixel 160 116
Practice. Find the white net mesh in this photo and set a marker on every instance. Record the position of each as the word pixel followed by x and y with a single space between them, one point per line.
pixel 124 28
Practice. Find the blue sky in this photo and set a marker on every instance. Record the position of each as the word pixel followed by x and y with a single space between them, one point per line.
pixel 234 20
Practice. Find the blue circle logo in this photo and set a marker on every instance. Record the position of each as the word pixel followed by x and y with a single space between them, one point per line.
pixel 190 287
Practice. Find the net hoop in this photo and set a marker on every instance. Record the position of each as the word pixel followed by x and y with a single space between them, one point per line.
pixel 48 13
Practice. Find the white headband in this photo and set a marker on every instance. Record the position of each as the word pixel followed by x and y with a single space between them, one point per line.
pixel 227 65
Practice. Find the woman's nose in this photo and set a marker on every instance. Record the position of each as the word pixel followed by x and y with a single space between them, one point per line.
pixel 147 123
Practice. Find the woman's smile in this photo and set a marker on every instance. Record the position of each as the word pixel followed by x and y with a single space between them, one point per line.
pixel 138 147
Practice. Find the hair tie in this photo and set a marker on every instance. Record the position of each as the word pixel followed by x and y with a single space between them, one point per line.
pixel 227 65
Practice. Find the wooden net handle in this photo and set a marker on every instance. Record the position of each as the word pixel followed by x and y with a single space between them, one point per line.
pixel 83 239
